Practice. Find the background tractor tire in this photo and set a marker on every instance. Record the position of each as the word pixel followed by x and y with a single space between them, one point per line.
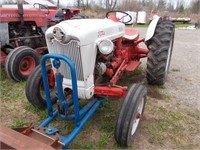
pixel 159 57
pixel 21 62
pixel 7 62
pixel 34 88
pixel 130 114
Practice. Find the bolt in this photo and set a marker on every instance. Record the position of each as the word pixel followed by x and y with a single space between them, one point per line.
pixel 49 130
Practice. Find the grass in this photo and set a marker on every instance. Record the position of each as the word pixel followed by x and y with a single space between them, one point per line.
pixel 19 123
pixel 162 124
pixel 171 126
pixel 175 70
pixel 177 25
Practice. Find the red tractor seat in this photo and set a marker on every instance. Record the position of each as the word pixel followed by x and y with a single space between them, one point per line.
pixel 131 34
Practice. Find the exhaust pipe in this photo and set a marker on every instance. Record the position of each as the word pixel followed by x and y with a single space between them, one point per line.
pixel 20 10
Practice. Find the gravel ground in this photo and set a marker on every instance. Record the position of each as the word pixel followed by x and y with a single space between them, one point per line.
pixel 183 82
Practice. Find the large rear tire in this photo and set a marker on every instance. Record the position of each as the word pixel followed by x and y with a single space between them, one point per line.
pixel 21 62
pixel 130 115
pixel 34 89
pixel 159 57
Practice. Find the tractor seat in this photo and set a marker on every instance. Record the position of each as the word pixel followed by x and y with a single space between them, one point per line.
pixel 131 34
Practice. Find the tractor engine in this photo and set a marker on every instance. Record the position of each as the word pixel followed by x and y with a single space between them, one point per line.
pixel 92 51
pixel 28 34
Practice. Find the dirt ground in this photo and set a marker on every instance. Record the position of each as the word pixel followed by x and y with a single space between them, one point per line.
pixel 172 113
pixel 183 81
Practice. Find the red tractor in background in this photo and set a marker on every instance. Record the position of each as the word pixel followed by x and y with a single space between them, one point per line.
pixel 22 36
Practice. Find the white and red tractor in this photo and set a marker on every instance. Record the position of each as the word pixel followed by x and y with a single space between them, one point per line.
pixel 101 50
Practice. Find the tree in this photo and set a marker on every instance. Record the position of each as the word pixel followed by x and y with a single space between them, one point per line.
pixel 195 6
pixel 181 8
pixel 161 5
pixel 110 4
pixel 170 7
pixel 8 2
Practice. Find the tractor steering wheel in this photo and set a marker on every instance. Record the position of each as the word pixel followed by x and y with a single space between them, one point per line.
pixel 114 18
pixel 41 6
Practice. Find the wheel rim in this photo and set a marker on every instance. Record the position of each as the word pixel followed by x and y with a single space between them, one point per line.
pixel 168 56
pixel 26 65
pixel 137 116
pixel 51 90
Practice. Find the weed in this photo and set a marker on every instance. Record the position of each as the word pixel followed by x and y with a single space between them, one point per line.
pixel 41 113
pixel 87 145
pixel 194 113
pixel 175 70
pixel 108 126
pixel 104 140
pixel 3 75
pixel 163 109
pixel 166 97
pixel 138 71
pixel 176 116
pixel 19 123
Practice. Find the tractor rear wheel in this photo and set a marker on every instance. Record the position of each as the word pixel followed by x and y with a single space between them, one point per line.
pixel 21 62
pixel 159 57
pixel 130 115
pixel 7 62
pixel 34 88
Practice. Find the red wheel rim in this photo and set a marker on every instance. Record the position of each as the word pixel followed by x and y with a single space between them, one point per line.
pixel 51 81
pixel 26 65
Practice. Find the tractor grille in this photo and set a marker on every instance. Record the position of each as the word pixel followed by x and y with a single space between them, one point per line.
pixel 72 50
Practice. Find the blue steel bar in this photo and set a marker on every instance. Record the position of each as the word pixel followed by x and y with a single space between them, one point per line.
pixel 83 111
pixel 67 140
pixel 59 87
pixel 49 119
pixel 88 110
pixel 46 85
pixel 74 84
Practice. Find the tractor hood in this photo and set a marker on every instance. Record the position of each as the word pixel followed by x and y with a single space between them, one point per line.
pixel 86 31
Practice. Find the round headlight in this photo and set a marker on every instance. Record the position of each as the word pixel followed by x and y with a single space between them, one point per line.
pixel 58 34
pixel 64 12
pixel 106 46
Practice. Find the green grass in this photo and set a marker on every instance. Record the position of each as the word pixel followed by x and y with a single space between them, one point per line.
pixel 180 25
pixel 19 123
pixel 170 126
pixel 161 124
pixel 175 70
pixel 177 25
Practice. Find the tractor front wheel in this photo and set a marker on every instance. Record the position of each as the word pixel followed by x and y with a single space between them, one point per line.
pixel 159 57
pixel 20 63
pixel 34 89
pixel 130 115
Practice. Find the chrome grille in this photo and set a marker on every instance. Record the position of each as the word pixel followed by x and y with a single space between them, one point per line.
pixel 72 50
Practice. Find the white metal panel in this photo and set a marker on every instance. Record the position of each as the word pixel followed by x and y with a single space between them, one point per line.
pixel 141 19
pixel 151 28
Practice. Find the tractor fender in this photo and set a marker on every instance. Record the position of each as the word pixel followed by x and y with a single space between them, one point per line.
pixel 152 27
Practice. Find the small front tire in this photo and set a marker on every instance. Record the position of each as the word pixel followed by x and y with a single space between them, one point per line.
pixel 130 115
pixel 34 89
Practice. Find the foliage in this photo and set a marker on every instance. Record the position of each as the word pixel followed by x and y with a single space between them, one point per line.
pixel 195 6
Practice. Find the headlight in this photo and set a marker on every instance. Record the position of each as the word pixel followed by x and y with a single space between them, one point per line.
pixel 106 46
pixel 58 34
pixel 64 11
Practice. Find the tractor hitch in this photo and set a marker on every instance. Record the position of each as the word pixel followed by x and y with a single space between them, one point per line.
pixel 48 136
